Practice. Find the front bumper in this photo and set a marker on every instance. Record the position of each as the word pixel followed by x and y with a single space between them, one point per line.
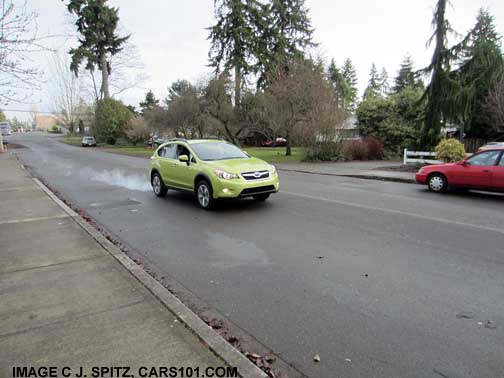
pixel 421 178
pixel 241 188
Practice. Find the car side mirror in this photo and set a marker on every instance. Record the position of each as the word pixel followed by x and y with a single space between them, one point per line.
pixel 184 159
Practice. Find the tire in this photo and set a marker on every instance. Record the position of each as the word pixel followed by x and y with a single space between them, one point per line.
pixel 261 197
pixel 158 186
pixel 437 183
pixel 204 195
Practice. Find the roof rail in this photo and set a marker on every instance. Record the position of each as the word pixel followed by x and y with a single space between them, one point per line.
pixel 177 140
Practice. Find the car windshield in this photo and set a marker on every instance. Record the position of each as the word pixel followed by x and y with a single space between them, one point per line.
pixel 217 151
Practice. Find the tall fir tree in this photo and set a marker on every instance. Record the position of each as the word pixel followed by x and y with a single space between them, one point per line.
pixel 285 32
pixel 374 85
pixel 149 103
pixel 384 83
pixel 443 98
pixel 407 77
pixel 350 75
pixel 98 41
pixel 233 39
pixel 339 85
pixel 481 64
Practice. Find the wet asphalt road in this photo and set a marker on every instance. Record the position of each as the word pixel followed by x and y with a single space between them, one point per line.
pixel 380 279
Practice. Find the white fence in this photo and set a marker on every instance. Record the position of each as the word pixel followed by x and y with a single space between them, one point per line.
pixel 421 157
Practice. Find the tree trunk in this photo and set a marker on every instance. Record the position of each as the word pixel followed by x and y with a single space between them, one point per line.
pixel 237 87
pixel 105 75
pixel 288 149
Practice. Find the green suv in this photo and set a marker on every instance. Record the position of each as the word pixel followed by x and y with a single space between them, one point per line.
pixel 211 169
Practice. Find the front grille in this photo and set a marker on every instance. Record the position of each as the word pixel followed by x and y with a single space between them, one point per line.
pixel 258 175
pixel 258 190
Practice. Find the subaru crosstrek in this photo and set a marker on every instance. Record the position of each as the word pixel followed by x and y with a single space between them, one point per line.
pixel 211 169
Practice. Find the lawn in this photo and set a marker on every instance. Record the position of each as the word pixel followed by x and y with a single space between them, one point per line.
pixel 275 154
pixel 269 154
pixel 72 140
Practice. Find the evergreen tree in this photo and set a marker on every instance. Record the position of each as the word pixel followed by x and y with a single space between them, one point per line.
pixel 339 85
pixel 179 88
pixel 285 32
pixel 407 77
pixel 234 39
pixel 96 23
pixel 442 95
pixel 384 83
pixel 350 76
pixel 149 103
pixel 481 64
pixel 374 86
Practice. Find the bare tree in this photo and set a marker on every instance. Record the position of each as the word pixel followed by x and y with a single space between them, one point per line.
pixel 495 104
pixel 286 99
pixel 137 130
pixel 127 72
pixel 301 104
pixel 184 114
pixel 219 108
pixel 65 90
pixel 19 38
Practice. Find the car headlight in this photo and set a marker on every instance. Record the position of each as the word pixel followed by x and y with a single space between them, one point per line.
pixel 272 169
pixel 225 175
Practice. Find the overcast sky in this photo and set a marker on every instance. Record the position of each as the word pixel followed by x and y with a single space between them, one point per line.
pixel 171 35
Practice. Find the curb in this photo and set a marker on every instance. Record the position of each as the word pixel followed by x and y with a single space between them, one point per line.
pixel 364 177
pixel 219 346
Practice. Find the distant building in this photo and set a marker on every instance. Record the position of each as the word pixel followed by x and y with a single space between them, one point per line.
pixel 349 129
pixel 45 122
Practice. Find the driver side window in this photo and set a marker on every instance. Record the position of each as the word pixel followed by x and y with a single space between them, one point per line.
pixel 168 151
pixel 488 158
pixel 182 150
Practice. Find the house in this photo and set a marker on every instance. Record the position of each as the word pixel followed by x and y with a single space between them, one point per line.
pixel 45 122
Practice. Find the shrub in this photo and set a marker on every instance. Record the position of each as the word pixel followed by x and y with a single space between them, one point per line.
pixel 137 130
pixel 111 120
pixel 450 150
pixel 375 149
pixel 327 151
pixel 356 150
pixel 54 130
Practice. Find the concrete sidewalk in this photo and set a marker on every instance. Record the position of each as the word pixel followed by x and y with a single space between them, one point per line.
pixel 365 170
pixel 67 301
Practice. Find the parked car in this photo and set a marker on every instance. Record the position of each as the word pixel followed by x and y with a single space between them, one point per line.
pixel 491 145
pixel 5 129
pixel 280 142
pixel 211 169
pixel 88 141
pixel 156 141
pixel 482 171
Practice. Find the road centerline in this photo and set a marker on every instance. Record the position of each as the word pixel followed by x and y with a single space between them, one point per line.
pixel 391 211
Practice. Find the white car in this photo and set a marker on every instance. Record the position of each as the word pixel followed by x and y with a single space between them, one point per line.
pixel 88 141
pixel 491 145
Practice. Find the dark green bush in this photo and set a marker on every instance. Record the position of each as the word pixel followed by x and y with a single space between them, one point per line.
pixel 111 120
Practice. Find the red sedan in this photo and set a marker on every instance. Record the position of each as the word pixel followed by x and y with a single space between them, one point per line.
pixel 280 142
pixel 482 171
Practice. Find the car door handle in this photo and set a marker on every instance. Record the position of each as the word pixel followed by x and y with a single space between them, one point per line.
pixel 486 171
